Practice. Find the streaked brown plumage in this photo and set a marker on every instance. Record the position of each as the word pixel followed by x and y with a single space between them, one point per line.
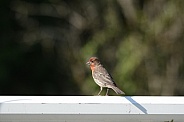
pixel 101 76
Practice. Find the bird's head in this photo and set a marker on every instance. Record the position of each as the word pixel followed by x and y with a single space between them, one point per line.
pixel 93 61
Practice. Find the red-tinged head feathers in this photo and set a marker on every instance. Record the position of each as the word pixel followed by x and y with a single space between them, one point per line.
pixel 92 62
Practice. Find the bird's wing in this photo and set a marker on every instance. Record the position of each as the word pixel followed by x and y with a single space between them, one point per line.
pixel 101 74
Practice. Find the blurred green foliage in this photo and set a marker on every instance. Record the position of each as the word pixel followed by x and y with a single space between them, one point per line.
pixel 45 44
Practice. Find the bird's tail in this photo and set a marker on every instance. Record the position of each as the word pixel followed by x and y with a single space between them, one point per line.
pixel 117 90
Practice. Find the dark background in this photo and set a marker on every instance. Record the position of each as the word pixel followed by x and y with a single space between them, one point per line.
pixel 44 45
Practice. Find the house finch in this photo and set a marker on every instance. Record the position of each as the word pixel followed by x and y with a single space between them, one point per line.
pixel 102 77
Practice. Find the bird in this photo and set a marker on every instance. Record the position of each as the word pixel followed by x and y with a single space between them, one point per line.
pixel 102 77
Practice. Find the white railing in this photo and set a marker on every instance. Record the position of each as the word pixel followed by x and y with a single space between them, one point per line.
pixel 92 108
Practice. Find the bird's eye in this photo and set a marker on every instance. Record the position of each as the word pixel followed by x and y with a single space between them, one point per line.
pixel 92 61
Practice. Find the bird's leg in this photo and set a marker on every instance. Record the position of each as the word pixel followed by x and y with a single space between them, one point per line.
pixel 107 92
pixel 100 90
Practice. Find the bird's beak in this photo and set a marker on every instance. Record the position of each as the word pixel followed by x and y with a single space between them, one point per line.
pixel 88 63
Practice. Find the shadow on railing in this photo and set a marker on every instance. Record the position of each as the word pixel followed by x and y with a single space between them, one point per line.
pixel 136 104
